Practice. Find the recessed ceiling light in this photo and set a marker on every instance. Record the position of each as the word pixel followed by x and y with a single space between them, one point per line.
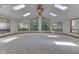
pixel 27 14
pixel 60 6
pixel 18 7
pixel 52 14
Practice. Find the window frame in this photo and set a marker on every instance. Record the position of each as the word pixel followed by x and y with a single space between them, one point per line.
pixel 61 27
pixel 9 24
pixel 22 30
pixel 71 30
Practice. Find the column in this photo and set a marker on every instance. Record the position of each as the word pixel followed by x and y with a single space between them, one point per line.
pixel 39 23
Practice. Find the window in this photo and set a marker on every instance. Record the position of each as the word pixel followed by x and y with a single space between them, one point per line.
pixel 4 25
pixel 22 26
pixel 57 27
pixel 74 26
pixel 45 24
pixel 34 24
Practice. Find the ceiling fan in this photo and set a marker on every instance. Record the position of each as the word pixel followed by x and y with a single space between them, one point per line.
pixel 40 9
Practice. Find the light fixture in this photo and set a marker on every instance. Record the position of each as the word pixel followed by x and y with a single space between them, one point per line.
pixel 59 6
pixel 65 43
pixel 53 14
pixel 27 14
pixel 18 7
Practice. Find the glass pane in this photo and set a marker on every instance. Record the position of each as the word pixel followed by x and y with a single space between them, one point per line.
pixel 45 24
pixel 57 26
pixel 75 26
pixel 23 26
pixel 4 25
pixel 34 25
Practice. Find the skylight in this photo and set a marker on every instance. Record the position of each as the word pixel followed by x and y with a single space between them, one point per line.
pixel 27 14
pixel 53 14
pixel 18 7
pixel 60 6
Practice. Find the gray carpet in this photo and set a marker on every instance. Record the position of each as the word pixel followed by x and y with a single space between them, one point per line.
pixel 38 43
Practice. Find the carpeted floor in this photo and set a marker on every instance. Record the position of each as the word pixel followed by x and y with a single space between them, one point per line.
pixel 39 43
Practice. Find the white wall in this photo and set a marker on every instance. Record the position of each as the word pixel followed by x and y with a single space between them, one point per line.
pixel 14 26
pixel 66 26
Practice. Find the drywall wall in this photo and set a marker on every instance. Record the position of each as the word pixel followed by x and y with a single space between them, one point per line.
pixel 13 27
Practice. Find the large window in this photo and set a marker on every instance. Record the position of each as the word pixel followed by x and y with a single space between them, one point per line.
pixel 75 26
pixel 22 26
pixel 45 24
pixel 34 24
pixel 57 27
pixel 4 25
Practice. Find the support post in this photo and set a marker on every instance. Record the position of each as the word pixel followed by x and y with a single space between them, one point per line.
pixel 40 23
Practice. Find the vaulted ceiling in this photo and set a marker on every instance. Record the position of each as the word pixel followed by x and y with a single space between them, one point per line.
pixel 7 11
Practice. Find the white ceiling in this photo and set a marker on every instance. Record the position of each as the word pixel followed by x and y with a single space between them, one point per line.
pixel 7 11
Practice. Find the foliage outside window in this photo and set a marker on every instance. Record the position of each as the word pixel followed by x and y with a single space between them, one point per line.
pixel 34 24
pixel 45 24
